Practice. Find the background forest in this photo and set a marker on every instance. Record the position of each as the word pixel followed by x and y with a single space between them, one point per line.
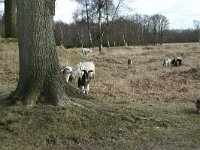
pixel 115 29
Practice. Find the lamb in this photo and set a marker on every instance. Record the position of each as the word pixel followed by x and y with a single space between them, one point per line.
pixel 88 69
pixel 129 63
pixel 84 80
pixel 167 62
pixel 67 71
pixel 86 51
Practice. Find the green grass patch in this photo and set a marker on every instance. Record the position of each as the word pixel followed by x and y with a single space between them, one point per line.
pixel 133 125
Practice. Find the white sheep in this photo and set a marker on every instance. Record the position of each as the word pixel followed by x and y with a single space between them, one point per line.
pixel 86 51
pixel 67 71
pixel 77 70
pixel 167 62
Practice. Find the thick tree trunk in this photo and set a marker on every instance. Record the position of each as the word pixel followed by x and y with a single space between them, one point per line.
pixel 39 77
pixel 10 19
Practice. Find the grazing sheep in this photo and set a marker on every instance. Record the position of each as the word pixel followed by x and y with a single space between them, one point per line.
pixel 84 80
pixel 86 51
pixel 197 104
pixel 67 71
pixel 167 62
pixel 177 62
pixel 129 63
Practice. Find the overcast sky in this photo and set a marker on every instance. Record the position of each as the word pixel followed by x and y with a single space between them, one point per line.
pixel 180 13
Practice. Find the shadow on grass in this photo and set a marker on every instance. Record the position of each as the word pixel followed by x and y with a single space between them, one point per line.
pixel 4 100
pixel 189 111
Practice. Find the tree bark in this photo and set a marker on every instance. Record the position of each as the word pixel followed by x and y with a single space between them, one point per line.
pixel 40 78
pixel 10 19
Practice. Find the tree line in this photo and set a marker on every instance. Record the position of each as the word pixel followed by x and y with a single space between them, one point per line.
pixel 125 31
pixel 98 24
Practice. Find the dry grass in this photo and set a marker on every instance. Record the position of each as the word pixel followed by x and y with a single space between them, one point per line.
pixel 147 80
pixel 145 107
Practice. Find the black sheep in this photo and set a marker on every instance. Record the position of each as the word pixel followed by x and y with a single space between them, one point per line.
pixel 84 80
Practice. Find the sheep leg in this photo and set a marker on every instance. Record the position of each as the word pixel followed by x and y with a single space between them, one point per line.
pixel 87 89
pixel 83 89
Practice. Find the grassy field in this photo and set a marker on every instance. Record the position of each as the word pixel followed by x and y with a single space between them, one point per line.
pixel 146 107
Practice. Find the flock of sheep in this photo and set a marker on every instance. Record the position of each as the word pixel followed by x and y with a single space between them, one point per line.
pixel 84 72
pixel 81 73
pixel 174 62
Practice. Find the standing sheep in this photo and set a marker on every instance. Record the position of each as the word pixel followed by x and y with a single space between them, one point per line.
pixel 67 71
pixel 167 62
pixel 86 51
pixel 177 62
pixel 84 81
pixel 88 69
pixel 77 70
pixel 129 63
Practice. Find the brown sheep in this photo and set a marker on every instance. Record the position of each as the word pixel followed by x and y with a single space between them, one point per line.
pixel 197 104
pixel 129 63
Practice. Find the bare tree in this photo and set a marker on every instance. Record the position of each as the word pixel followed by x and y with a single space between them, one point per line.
pixel 88 23
pixel 155 23
pixel 101 4
pixel 85 10
pixel 99 11
pixel 107 22
pixel 110 12
pixel 163 25
pixel 197 27
pixel 145 29
pixel 95 8
pixel 1 23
